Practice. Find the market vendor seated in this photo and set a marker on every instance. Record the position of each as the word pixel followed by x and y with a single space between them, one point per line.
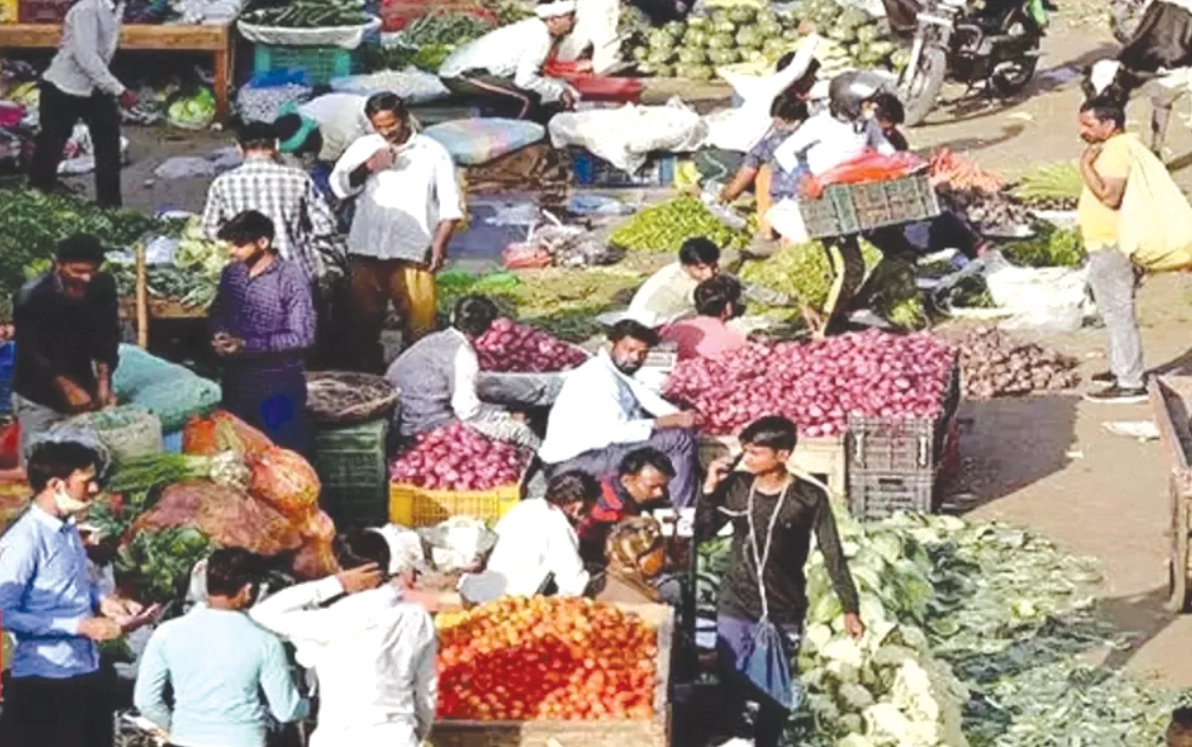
pixel 635 555
pixel 436 379
pixel 503 68
pixel 67 331
pixel 787 112
pixel 603 413
pixel 537 549
pixel 669 294
pixel 717 302
pixel 640 484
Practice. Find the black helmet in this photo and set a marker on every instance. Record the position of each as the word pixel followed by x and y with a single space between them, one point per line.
pixel 848 92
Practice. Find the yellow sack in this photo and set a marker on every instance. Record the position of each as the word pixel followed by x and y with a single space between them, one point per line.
pixel 1155 219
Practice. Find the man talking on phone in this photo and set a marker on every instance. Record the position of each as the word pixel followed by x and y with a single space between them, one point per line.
pixel 407 205
pixel 58 695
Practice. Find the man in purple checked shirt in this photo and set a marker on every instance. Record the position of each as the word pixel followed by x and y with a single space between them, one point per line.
pixel 263 321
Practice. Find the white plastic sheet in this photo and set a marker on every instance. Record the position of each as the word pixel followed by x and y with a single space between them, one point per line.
pixel 627 135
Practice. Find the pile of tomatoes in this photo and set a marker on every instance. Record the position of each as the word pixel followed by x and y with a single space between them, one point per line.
pixel 545 658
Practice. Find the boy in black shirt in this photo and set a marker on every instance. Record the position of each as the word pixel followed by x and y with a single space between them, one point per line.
pixel 773 515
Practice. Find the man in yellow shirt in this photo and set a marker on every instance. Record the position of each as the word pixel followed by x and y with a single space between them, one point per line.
pixel 1105 168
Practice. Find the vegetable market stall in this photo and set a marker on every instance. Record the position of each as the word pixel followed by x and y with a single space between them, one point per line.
pixel 218 41
pixel 1169 397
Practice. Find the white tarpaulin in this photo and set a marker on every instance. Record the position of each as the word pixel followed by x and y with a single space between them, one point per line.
pixel 626 136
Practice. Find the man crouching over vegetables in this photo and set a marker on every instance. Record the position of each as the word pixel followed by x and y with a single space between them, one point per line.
pixel 762 599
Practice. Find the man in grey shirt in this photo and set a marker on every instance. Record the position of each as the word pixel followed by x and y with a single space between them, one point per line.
pixel 79 86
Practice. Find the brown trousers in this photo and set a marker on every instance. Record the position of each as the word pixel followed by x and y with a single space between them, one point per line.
pixel 374 283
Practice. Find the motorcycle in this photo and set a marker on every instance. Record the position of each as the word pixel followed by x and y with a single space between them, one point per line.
pixel 997 44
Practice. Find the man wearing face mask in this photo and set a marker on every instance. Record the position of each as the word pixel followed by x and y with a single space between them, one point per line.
pixel 407 205
pixel 57 695
pixel 218 664
pixel 67 333
pixel 602 413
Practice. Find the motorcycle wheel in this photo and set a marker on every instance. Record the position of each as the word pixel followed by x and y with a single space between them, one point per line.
pixel 920 92
pixel 1009 82
pixel 1124 16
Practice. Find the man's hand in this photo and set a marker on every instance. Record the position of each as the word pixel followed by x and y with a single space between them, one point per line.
pixel 1089 157
pixel 362 578
pixel 380 160
pixel 717 471
pixel 128 99
pixel 78 399
pixel 119 610
pixel 226 345
pixel 685 419
pixel 853 625
pixel 438 257
pixel 105 398
pixel 100 629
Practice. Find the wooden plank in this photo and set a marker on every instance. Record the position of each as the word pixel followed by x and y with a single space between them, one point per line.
pixel 132 36
pixel 620 733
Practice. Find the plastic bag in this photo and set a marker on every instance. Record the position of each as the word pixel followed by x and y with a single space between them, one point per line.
pixel 767 665
pixel 627 135
pixel 1047 298
pixel 1155 224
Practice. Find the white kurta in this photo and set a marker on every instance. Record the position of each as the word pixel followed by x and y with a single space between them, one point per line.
pixel 596 26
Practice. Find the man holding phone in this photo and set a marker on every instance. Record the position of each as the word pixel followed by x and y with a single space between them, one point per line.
pixel 407 205
pixel 58 695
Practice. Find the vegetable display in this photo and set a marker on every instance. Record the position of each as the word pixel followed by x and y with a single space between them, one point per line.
pixel 1053 186
pixel 158 470
pixel 1051 247
pixel 664 228
pixel 509 346
pixel 458 457
pixel 817 384
pixel 993 364
pixel 159 562
pixel 310 14
pixel 546 658
pixel 695 48
pixel 192 280
pixel 962 174
pixel 453 29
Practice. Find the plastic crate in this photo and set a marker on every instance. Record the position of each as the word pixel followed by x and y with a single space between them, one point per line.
pixel 412 506
pixel 8 360
pixel 877 495
pixel 592 171
pixel 320 65
pixel 882 444
pixel 350 462
pixel 845 209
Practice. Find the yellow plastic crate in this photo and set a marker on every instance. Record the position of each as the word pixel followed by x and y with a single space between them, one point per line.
pixel 412 506
pixel 9 10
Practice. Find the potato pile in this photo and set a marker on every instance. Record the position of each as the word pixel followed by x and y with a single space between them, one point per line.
pixel 994 364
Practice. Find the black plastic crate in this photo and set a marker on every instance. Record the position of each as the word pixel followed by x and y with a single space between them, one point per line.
pixel 878 495
pixel 350 462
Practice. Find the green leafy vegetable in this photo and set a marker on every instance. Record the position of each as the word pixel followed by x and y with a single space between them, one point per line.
pixel 157 564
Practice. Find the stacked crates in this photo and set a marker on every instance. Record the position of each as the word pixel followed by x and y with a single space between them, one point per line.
pixel 350 462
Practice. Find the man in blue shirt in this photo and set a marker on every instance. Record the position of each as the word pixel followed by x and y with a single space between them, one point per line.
pixel 57 695
pixel 218 662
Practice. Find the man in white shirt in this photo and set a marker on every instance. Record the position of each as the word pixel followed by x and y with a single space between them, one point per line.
pixel 840 134
pixel 407 205
pixel 503 68
pixel 603 413
pixel 372 652
pixel 595 35
pixel 537 547
pixel 79 86
pixel 438 378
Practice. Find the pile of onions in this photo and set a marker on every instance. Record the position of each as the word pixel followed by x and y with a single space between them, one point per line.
pixel 817 384
pixel 458 457
pixel 512 347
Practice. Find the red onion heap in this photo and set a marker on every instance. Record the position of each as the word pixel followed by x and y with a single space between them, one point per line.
pixel 458 457
pixel 511 347
pixel 817 384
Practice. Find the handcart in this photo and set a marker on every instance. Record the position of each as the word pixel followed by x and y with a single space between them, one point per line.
pixel 844 212
pixel 1171 403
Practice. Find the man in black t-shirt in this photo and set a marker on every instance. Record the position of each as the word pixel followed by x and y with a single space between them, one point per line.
pixel 67 333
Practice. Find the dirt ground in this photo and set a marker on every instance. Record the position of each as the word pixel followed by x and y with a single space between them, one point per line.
pixel 1043 463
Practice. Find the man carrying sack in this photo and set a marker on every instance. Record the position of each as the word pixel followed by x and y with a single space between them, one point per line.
pixel 1133 219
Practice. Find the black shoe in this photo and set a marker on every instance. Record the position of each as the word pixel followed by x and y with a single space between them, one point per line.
pixel 1115 394
pixel 1105 377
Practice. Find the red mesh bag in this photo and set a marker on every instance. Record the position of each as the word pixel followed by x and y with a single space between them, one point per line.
pixel 286 481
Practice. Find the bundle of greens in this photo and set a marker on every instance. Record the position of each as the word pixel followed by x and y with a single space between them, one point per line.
pixel 155 471
pixel 156 564
pixel 1054 186
pixel 1051 247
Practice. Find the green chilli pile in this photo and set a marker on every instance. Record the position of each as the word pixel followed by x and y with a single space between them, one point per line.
pixel 664 228
pixel 976 634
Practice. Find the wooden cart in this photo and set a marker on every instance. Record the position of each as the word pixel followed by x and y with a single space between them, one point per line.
pixel 1171 402
pixel 623 733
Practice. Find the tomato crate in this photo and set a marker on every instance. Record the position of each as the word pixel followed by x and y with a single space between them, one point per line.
pixel 412 506
pixel 653 732
pixel 350 462
pixel 845 209
pixel 320 65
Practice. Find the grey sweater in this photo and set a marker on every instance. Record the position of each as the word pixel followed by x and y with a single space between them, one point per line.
pixel 424 376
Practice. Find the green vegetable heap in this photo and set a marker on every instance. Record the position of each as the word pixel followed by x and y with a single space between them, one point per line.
pixel 1051 247
pixel 310 14
pixel 664 228
pixel 160 562
pixel 975 633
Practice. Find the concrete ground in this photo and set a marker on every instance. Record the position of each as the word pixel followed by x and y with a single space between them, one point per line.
pixel 1045 462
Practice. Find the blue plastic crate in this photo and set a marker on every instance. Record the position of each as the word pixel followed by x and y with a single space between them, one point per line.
pixel 8 359
pixel 319 65
pixel 592 171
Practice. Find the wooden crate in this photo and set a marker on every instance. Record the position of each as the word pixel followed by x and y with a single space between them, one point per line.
pixel 623 733
pixel 823 456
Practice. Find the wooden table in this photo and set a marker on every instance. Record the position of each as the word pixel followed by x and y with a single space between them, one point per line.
pixel 217 40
